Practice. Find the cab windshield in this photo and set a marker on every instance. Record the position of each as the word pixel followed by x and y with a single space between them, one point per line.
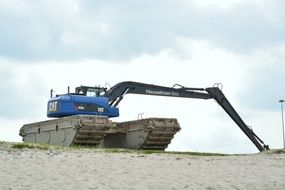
pixel 95 92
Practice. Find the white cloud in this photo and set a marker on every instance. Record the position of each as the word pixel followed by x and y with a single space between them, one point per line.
pixel 226 4
pixel 10 130
pixel 75 30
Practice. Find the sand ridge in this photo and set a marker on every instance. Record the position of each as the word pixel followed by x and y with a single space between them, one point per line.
pixel 91 169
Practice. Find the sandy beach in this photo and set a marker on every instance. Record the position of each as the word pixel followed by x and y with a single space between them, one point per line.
pixel 90 169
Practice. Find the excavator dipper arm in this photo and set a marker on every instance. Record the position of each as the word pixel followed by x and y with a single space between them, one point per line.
pixel 218 95
pixel 116 93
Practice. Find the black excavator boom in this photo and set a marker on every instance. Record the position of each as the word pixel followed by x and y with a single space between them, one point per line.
pixel 116 93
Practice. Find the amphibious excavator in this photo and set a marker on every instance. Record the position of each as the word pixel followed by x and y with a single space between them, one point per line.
pixel 82 118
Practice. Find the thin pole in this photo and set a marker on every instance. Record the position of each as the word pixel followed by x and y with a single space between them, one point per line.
pixel 281 101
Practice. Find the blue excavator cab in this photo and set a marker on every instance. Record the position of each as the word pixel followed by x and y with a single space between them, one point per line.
pixel 85 101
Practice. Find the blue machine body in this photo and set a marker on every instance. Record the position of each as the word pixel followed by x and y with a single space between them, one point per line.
pixel 70 104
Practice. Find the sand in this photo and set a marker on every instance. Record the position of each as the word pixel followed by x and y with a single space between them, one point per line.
pixel 98 169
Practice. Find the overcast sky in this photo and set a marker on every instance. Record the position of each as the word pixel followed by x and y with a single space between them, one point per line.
pixel 239 43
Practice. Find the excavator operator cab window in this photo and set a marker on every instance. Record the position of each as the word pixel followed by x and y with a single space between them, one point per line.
pixel 97 92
